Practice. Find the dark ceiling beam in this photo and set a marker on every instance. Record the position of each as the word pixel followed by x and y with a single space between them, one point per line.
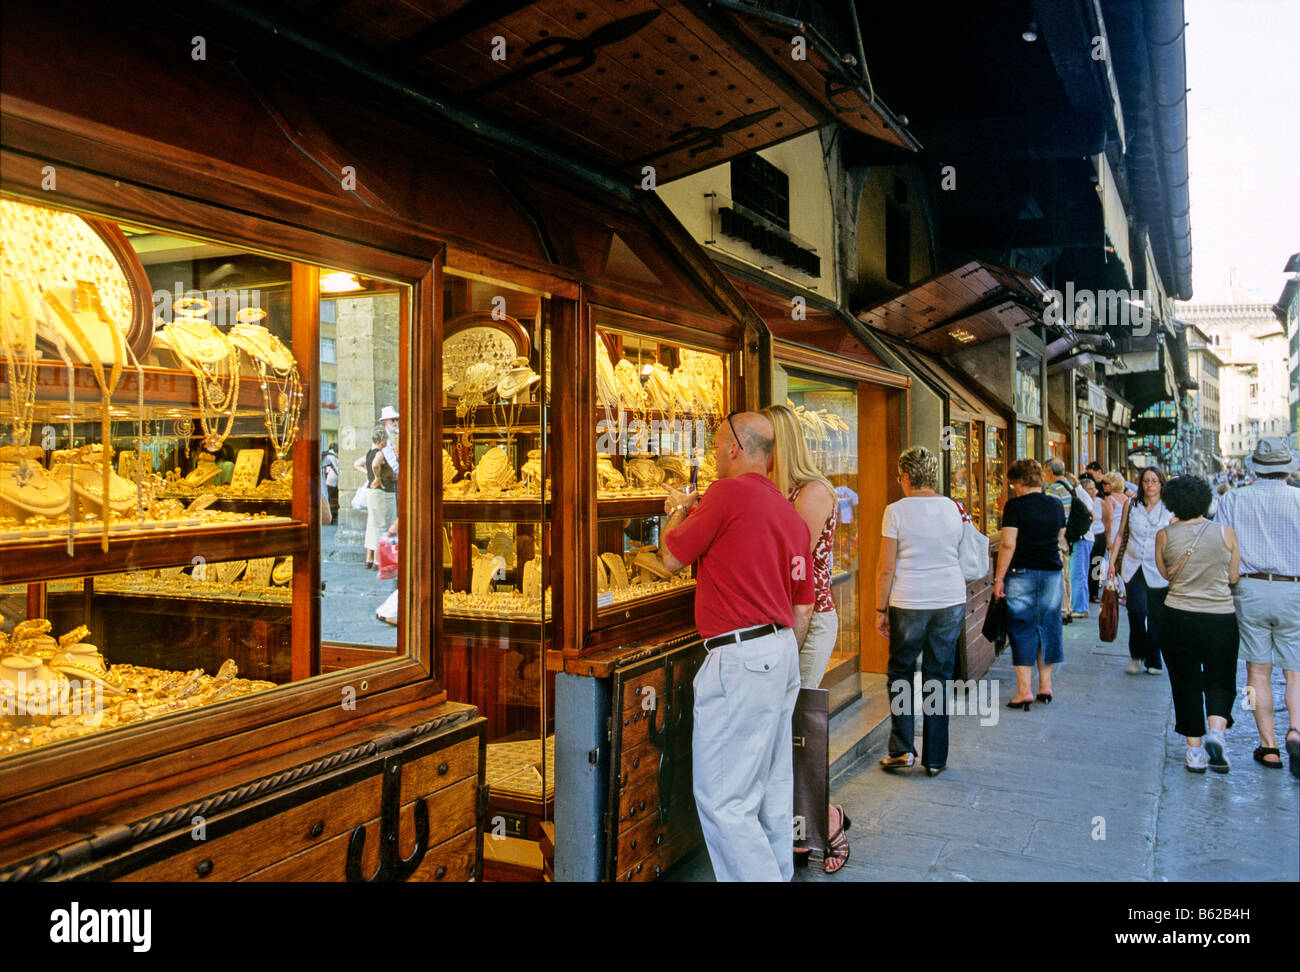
pixel 1015 137
pixel 1069 28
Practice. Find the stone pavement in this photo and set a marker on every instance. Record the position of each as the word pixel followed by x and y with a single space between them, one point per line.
pixel 350 598
pixel 1089 788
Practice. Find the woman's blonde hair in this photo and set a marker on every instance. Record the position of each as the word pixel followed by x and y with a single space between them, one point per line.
pixel 1116 483
pixel 792 464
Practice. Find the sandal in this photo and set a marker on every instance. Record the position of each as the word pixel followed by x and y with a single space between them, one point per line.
pixel 1263 751
pixel 837 855
pixel 1293 751
pixel 380 617
pixel 902 761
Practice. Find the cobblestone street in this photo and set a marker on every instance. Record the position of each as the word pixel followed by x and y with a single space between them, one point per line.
pixel 1026 799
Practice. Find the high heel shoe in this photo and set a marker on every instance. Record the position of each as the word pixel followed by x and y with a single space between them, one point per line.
pixel 1043 697
pixel 1020 705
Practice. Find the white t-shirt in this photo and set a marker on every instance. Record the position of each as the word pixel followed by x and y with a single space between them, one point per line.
pixel 927 573
pixel 1098 524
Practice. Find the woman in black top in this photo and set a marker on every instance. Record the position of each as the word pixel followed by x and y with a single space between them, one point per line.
pixel 374 511
pixel 1028 575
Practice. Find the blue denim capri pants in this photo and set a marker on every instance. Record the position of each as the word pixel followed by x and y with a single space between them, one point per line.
pixel 1034 616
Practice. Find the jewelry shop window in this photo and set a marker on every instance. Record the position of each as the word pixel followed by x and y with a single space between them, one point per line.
pixel 495 486
pixel 659 402
pixel 162 479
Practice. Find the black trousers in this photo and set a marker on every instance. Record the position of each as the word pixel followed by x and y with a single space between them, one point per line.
pixel 1145 607
pixel 1201 657
pixel 1098 557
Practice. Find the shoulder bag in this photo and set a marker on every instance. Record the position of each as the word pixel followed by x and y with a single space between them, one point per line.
pixel 973 549
pixel 1173 575
pixel 1108 619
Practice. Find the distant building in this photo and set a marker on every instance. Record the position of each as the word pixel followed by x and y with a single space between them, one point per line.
pixel 1203 366
pixel 1255 380
pixel 1287 311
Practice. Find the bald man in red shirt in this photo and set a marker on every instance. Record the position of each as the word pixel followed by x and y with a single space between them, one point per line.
pixel 753 603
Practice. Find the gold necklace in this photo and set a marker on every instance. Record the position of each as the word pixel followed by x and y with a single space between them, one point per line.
pixel 274 364
pixel 87 293
pixel 214 363
pixel 18 342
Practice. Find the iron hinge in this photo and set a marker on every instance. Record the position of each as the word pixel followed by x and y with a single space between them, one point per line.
pixel 593 756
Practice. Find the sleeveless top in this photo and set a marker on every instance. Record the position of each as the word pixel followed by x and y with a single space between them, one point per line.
pixel 1202 584
pixel 822 561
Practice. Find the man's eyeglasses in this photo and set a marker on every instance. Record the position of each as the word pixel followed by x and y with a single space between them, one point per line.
pixel 734 434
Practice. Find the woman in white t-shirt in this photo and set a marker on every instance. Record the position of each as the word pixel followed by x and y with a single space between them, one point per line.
pixel 921 607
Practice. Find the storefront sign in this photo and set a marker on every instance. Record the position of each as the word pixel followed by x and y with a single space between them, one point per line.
pixel 1096 398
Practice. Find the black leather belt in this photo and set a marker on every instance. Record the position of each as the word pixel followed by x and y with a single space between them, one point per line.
pixel 746 634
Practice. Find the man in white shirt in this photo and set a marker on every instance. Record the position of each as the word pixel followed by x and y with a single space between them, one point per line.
pixel 1266 518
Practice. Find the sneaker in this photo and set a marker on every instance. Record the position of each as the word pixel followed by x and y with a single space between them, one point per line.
pixel 1134 667
pixel 1196 759
pixel 1214 749
pixel 1155 671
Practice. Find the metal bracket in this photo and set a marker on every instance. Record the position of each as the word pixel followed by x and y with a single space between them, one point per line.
pixel 674 706
pixel 392 866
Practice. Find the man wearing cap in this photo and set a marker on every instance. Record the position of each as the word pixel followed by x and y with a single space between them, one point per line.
pixel 1266 518
pixel 753 603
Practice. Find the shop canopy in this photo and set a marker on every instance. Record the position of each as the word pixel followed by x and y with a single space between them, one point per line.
pixel 971 304
pixel 966 400
pixel 680 87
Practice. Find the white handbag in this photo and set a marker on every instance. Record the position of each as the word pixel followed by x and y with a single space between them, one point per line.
pixel 973 550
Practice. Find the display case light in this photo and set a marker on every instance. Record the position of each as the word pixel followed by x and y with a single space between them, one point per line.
pixel 339 282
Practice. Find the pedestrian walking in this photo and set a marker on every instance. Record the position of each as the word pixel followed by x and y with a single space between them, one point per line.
pixel 330 472
pixel 754 599
pixel 1057 485
pixel 814 498
pixel 921 607
pixel 1081 554
pixel 1198 626
pixel 1134 559
pixel 377 513
pixel 1028 575
pixel 1266 518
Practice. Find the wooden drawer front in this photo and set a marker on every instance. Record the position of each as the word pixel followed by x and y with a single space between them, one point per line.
pixel 451 814
pixel 432 773
pixel 647 849
pixel 452 860
pixel 234 855
pixel 634 691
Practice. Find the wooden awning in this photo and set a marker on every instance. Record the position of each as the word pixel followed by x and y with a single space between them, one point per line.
pixel 628 84
pixel 811 325
pixel 969 305
pixel 966 400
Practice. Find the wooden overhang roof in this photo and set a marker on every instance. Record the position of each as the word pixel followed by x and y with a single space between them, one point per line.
pixel 971 304
pixel 625 83
pixel 966 399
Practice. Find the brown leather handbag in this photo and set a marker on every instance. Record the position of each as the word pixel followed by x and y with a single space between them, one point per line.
pixel 1108 621
pixel 812 769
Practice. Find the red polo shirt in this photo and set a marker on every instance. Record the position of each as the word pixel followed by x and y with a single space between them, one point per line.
pixel 753 550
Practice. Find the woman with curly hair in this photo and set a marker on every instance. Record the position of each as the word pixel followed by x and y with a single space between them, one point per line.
pixel 1198 626
pixel 921 594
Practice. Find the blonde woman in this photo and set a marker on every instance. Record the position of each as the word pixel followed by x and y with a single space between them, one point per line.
pixel 797 477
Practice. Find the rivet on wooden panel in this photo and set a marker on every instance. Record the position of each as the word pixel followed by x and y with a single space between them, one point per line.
pixel 634 845
pixel 442 769
pixel 659 839
pixel 204 868
pixel 441 872
pixel 318 828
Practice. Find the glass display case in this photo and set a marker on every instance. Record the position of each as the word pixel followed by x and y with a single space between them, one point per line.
pixel 159 539
pixel 496 551
pixel 658 402
pixel 828 414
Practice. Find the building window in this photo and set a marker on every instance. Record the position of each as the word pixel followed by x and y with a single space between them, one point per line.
pixel 327 351
pixel 329 395
pixel 761 188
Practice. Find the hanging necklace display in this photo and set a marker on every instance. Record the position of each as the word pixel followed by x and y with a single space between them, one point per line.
pixel 84 325
pixel 513 391
pixel 18 344
pixel 212 360
pixel 275 365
